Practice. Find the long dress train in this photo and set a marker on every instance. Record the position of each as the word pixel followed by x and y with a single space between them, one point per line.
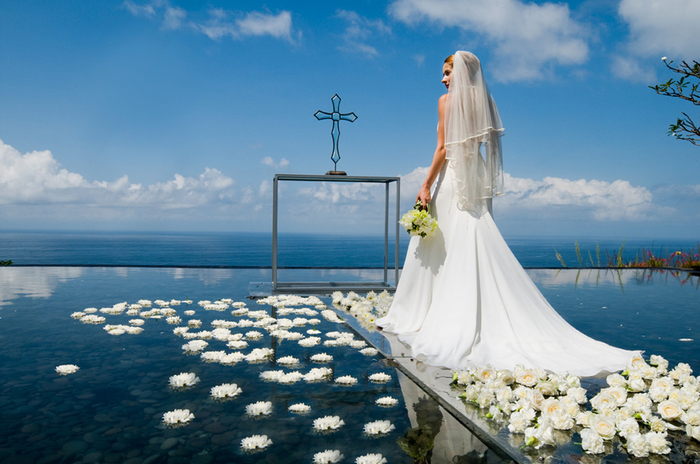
pixel 464 300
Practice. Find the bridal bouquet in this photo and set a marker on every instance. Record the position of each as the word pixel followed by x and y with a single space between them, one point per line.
pixel 419 222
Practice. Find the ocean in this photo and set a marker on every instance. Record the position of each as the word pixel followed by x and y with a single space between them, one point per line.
pixel 247 249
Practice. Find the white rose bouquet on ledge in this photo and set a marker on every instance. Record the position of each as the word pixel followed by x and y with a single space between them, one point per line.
pixel 419 222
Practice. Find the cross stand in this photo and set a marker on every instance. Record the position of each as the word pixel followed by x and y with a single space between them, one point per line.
pixel 336 116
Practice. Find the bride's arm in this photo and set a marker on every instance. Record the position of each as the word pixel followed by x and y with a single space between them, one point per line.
pixel 438 157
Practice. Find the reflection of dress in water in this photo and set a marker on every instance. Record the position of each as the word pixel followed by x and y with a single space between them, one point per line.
pixel 464 299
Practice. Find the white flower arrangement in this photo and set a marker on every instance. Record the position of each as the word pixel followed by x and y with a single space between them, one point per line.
pixel 194 323
pixel 299 408
pixel 346 380
pixel 379 427
pixel 255 443
pixel 271 376
pixel 173 320
pixel 371 458
pixel 290 378
pixel 183 380
pixel 237 344
pixel 232 358
pixel 328 423
pixel 67 369
pixel 195 346
pixel 212 356
pixel 328 457
pixel 379 377
pixel 225 391
pixel 259 408
pixel 77 315
pixel 258 355
pixel 92 319
pixel 190 312
pixel 386 401
pixel 309 342
pixel 177 417
pixel 418 222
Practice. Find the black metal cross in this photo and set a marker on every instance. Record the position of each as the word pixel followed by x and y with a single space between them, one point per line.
pixel 336 116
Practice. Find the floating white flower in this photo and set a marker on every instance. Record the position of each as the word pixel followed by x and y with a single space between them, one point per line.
pixel 290 378
pixel 173 320
pixel 66 369
pixel 258 355
pixel 387 401
pixel 379 377
pixel 194 323
pixel 212 356
pixel 225 391
pixel 378 427
pixel 317 374
pixel 358 344
pixel 253 335
pixel 259 408
pixel 369 351
pixel 255 443
pixel 92 319
pixel 328 423
pixel 288 361
pixel 195 346
pixel 189 312
pixel 299 408
pixel 179 331
pixel 77 315
pixel 239 312
pixel 237 344
pixel 346 380
pixel 232 358
pixel 309 342
pixel 245 323
pixel 328 457
pixel 313 331
pixel 331 343
pixel 670 409
pixel 591 442
pixel 177 417
pixel 221 333
pixel 371 458
pixel 321 358
pixel 90 310
pixel 271 376
pixel 183 380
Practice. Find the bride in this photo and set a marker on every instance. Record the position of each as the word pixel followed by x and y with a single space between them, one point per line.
pixel 463 299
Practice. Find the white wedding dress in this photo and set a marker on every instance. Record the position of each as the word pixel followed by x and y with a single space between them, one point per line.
pixel 464 300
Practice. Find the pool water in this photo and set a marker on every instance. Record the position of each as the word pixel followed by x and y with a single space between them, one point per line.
pixel 111 409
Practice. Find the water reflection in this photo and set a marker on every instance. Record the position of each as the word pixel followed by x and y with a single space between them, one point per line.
pixel 33 282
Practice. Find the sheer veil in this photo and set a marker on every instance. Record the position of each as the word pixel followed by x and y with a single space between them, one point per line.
pixel 473 130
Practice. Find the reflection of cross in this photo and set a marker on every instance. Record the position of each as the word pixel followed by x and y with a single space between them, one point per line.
pixel 336 116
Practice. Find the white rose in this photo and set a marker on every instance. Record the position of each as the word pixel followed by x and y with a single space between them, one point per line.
pixel 637 385
pixel 639 402
pixel 529 412
pixel 619 393
pixel 486 398
pixel 522 392
pixel 584 418
pixel 657 442
pixel 547 388
pixel 541 435
pixel 570 405
pixel 578 394
pixel 536 399
pixel 649 372
pixel 667 383
pixel 693 431
pixel 627 426
pixel 623 413
pixel 616 380
pixel 603 401
pixel 486 374
pixel 504 394
pixel 527 377
pixel 471 393
pixel 591 442
pixel 658 361
pixel 603 426
pixel 687 398
pixel 551 407
pixel 573 381
pixel 506 377
pixel 518 422
pixel 656 424
pixel 638 362
pixel 658 394
pixel 637 445
pixel 670 409
pixel 562 421
pixel 692 415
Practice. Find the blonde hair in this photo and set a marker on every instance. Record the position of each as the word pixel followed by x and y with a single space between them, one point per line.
pixel 450 60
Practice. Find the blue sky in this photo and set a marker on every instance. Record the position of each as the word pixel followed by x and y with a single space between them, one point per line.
pixel 175 115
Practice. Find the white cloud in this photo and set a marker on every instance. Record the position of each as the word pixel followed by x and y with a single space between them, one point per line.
pixel 359 31
pixel 629 68
pixel 268 161
pixel 662 27
pixel 554 196
pixel 527 38
pixel 220 23
pixel 36 178
pixel 34 282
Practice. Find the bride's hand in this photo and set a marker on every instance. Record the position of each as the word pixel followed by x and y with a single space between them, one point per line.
pixel 423 196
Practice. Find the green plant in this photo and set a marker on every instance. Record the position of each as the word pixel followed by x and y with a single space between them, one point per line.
pixel 6 263
pixel 684 128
